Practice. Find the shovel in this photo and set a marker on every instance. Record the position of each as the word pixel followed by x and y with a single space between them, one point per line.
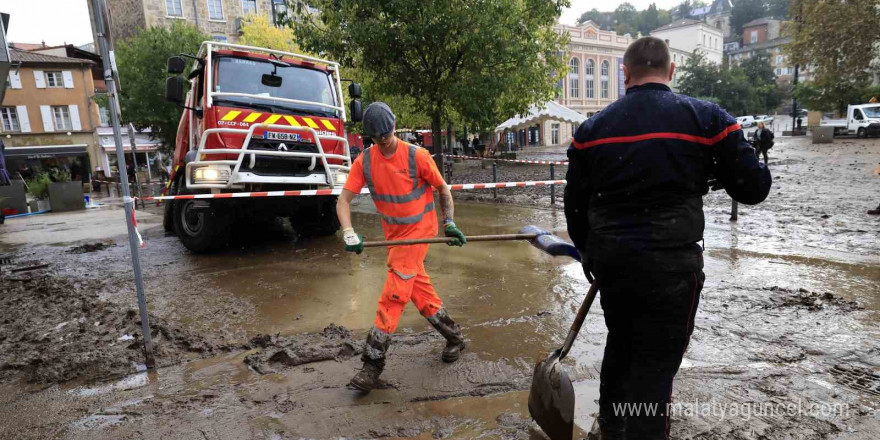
pixel 551 398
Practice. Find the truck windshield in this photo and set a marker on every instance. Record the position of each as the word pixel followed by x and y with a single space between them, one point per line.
pixel 872 112
pixel 244 75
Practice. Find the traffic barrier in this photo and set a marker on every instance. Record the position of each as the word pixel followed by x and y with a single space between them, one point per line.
pixel 337 191
pixel 535 162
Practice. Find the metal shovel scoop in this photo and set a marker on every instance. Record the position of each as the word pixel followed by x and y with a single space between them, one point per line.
pixel 551 398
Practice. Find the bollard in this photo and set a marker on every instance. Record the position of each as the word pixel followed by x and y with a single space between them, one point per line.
pixel 552 187
pixel 494 179
pixel 734 211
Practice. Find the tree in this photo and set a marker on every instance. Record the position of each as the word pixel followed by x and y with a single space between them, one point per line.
pixel 649 19
pixel 592 15
pixel 842 65
pixel 626 19
pixel 141 61
pixel 745 11
pixel 483 62
pixel 258 31
pixel 764 94
pixel 698 76
pixel 778 9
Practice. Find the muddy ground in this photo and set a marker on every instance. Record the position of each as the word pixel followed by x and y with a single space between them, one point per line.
pixel 259 340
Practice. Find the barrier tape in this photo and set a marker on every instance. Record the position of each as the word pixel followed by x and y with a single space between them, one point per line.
pixel 538 162
pixel 134 222
pixel 337 191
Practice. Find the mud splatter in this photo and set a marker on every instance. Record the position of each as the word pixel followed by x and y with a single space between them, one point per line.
pixel 88 248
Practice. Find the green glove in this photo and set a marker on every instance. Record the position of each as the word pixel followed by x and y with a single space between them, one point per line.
pixel 353 242
pixel 453 231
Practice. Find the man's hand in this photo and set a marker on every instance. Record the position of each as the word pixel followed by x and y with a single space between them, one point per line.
pixel 353 242
pixel 458 237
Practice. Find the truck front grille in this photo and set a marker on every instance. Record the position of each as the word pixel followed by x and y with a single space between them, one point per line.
pixel 282 166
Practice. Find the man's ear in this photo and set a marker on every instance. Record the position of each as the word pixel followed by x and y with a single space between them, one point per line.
pixel 626 76
pixel 671 71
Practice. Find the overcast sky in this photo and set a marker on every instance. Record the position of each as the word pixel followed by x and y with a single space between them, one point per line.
pixel 54 21
pixel 67 21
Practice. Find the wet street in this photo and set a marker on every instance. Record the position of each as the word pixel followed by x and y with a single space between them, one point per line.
pixel 259 340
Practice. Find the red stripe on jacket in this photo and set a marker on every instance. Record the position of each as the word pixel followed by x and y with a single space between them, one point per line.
pixel 647 136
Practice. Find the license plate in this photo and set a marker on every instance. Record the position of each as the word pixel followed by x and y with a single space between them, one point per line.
pixel 280 136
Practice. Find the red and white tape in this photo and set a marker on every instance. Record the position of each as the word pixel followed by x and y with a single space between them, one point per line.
pixel 337 191
pixel 538 162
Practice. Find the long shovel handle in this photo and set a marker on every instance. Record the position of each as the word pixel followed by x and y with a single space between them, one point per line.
pixel 579 320
pixel 501 237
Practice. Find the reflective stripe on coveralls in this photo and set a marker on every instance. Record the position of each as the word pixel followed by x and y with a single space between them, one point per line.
pixel 415 193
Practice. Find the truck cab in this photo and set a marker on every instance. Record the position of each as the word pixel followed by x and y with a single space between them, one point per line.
pixel 863 120
pixel 256 120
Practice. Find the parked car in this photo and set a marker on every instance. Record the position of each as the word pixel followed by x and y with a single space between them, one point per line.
pixel 766 119
pixel 746 121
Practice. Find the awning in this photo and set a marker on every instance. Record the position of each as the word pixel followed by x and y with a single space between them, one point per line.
pixel 46 152
pixel 551 111
pixel 149 148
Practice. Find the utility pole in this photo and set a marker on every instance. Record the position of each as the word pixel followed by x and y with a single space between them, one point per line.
pixel 103 42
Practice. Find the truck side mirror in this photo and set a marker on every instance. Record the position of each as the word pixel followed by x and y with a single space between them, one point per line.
pixel 357 111
pixel 176 65
pixel 174 89
pixel 354 89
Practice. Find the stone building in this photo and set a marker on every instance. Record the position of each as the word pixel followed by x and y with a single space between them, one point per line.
pixel 219 18
pixel 689 35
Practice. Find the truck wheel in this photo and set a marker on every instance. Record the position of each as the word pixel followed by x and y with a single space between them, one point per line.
pixel 200 226
pixel 862 133
pixel 168 213
pixel 316 221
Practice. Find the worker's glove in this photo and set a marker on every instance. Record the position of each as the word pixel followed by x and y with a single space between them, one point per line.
pixel 353 242
pixel 458 237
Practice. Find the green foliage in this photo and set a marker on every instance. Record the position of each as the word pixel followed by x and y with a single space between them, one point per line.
pixel 142 60
pixel 745 11
pixel 480 61
pixel 38 186
pixel 60 175
pixel 626 19
pixel 841 62
pixel 778 8
pixel 746 89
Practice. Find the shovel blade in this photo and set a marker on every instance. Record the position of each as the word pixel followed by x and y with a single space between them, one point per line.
pixel 551 399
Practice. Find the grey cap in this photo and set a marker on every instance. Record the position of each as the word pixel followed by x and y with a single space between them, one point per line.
pixel 378 120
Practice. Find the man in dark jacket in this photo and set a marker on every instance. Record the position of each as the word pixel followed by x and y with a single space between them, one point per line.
pixel 763 141
pixel 638 171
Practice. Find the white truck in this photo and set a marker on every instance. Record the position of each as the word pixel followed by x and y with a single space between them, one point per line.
pixel 862 120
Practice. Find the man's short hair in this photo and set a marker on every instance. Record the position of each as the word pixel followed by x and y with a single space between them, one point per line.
pixel 647 56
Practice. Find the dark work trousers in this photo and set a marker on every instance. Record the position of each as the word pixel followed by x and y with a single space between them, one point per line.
pixel 650 317
pixel 763 151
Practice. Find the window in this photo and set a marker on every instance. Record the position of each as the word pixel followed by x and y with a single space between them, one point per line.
pixel 554 134
pixel 104 114
pixel 279 11
pixel 173 8
pixel 248 7
pixel 704 40
pixel 857 115
pixel 591 85
pixel 604 79
pixel 574 78
pixel 718 24
pixel 61 115
pixel 753 37
pixel 54 79
pixel 779 59
pixel 10 119
pixel 215 9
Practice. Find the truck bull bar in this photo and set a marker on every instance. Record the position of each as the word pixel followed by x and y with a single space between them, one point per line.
pixel 238 178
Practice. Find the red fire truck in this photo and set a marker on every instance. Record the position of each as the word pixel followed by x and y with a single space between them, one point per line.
pixel 256 120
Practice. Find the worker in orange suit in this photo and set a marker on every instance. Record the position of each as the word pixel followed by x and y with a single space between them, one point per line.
pixel 400 177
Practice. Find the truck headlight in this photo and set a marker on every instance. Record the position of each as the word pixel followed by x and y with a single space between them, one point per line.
pixel 211 174
pixel 340 178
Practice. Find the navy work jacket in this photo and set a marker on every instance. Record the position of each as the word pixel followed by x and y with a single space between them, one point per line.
pixel 638 170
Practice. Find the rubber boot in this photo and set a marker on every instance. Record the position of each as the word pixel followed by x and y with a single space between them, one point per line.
pixel 374 360
pixel 875 211
pixel 597 432
pixel 452 332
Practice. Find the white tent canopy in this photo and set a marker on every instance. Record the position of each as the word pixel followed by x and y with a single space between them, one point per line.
pixel 551 111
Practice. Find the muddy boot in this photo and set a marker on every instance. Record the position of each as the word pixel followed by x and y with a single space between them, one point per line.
pixel 875 211
pixel 452 332
pixel 599 433
pixel 374 360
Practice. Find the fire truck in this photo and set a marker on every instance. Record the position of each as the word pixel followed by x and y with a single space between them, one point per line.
pixel 256 120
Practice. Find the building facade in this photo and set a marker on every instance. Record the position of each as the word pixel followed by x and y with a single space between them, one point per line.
pixel 594 78
pixel 763 36
pixel 717 15
pixel 49 115
pixel 689 35
pixel 219 18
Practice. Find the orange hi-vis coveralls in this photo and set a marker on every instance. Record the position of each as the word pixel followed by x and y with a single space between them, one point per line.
pixel 402 189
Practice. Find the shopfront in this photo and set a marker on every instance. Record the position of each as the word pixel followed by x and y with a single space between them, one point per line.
pixel 58 161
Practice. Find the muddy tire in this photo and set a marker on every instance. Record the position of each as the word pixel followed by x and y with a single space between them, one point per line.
pixel 316 221
pixel 862 133
pixel 200 226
